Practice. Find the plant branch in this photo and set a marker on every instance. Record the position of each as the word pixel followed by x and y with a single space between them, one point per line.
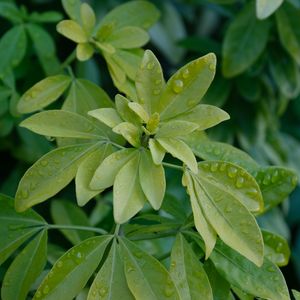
pixel 68 60
pixel 172 166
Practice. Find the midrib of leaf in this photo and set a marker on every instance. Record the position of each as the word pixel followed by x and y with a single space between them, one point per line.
pixel 112 273
pixel 184 269
pixel 221 213
pixel 140 271
pixel 23 220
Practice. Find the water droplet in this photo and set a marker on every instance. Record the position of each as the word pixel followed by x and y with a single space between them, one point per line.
pixel 177 86
pixel 232 172
pixel 212 67
pixel 50 274
pixel 158 81
pixel 138 254
pixel 267 179
pixel 173 264
pixel 239 182
pixel 191 103
pixel 150 65
pixel 38 294
pixel 279 247
pixel 271 269
pixel 169 291
pixel 228 209
pixel 185 73
pixel 46 289
pixel 223 167
pixel 24 194
pixel 217 151
pixel 275 176
pixel 59 264
pixel 253 191
pixel 44 163
pixel 156 92
pixel 130 269
pixel 294 180
pixel 214 167
pixel 103 291
pixel 206 166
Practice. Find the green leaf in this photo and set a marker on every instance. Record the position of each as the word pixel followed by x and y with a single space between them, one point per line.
pixel 10 11
pixel 128 37
pixel 15 227
pixel 25 269
pixel 241 184
pixel 188 273
pixel 50 174
pixel 265 8
pixel 72 8
pixel 211 150
pixel 130 132
pixel 287 25
pixel 285 72
pixel 139 111
pixel 12 48
pixel 88 17
pixel 84 51
pixel 94 97
pixel 157 151
pixel 86 172
pixel 59 123
pixel 107 171
pixel 187 86
pixel 129 198
pixel 111 279
pixel 67 213
pixel 71 272
pixel 72 30
pixel 244 42
pixel 265 282
pixel 146 277
pixel 43 93
pixel 179 150
pixel 220 287
pixel 124 111
pixel 152 180
pixel 45 17
pixel 108 116
pixel 149 82
pixel 276 248
pixel 204 228
pixel 296 294
pixel 128 61
pixel 126 15
pixel 223 209
pixel 45 48
pixel 276 183
pixel 175 128
pixel 205 116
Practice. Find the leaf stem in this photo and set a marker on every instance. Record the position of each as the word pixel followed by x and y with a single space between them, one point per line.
pixel 117 229
pixel 68 60
pixel 172 166
pixel 77 227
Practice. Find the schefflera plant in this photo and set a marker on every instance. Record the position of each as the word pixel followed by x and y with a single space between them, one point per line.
pixel 153 125
pixel 117 37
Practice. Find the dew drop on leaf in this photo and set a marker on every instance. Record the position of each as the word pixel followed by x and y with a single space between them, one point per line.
pixel 46 289
pixel 239 182
pixel 150 65
pixel 185 73
pixel 177 86
pixel 60 264
pixel 214 167
pixel 103 291
pixel 232 172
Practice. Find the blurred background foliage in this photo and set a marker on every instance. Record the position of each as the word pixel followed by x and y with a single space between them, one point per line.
pixel 257 83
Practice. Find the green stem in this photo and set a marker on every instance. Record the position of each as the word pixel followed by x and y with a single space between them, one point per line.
pixel 152 237
pixel 68 60
pixel 173 166
pixel 117 229
pixel 77 227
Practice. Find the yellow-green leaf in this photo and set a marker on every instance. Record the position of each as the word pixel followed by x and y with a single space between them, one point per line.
pixel 84 51
pixel 86 172
pixel 72 30
pixel 152 180
pixel 186 87
pixel 179 150
pixel 50 174
pixel 88 17
pixel 130 133
pixel 105 174
pixel 149 82
pixel 157 151
pixel 43 93
pixel 108 116
pixel 265 8
pixel 175 128
pixel 129 198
